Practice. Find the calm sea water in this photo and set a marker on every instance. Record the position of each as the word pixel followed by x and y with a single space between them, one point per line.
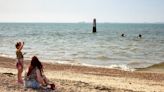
pixel 74 43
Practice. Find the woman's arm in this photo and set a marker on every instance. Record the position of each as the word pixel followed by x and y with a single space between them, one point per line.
pixel 43 80
pixel 39 77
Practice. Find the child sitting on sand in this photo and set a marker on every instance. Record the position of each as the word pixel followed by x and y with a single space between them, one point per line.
pixel 19 65
pixel 35 77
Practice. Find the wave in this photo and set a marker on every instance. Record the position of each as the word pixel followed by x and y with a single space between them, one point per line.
pixel 103 58
pixel 157 66
pixel 139 64
pixel 6 55
pixel 112 66
pixel 153 68
pixel 122 67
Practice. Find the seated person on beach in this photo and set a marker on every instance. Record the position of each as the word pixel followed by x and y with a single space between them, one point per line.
pixel 35 77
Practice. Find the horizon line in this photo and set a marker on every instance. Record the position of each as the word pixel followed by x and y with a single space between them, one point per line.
pixel 91 22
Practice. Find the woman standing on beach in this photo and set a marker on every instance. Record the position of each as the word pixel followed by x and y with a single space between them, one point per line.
pixel 20 61
pixel 35 77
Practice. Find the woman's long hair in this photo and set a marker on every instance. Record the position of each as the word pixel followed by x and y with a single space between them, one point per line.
pixel 35 63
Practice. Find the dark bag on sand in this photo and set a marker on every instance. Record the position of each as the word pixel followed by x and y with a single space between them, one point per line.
pixel 52 86
pixel 49 86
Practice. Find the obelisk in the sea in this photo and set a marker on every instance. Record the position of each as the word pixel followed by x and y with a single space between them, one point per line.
pixel 94 26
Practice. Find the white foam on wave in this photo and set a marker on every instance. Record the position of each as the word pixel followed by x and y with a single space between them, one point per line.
pixel 113 66
pixel 6 55
pixel 119 67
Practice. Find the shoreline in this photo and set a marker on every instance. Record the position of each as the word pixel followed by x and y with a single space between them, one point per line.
pixel 154 68
pixel 87 79
pixel 149 71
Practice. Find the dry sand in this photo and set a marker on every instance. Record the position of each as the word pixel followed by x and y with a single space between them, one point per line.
pixel 69 78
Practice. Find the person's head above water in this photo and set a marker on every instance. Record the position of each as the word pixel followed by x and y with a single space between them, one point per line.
pixel 123 35
pixel 139 35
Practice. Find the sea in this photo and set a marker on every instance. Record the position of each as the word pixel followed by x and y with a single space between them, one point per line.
pixel 75 44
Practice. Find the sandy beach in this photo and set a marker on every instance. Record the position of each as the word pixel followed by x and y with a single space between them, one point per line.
pixel 70 78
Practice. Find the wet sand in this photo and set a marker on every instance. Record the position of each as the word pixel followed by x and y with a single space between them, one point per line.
pixel 70 78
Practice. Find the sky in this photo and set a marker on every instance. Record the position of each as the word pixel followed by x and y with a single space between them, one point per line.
pixel 122 11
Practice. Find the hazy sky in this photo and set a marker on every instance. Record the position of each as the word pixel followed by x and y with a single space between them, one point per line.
pixel 81 10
